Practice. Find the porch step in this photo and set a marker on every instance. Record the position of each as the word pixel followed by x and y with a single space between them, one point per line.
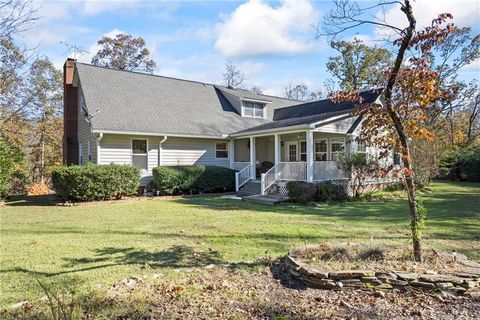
pixel 250 188
pixel 266 199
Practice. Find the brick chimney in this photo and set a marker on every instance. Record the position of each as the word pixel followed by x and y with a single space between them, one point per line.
pixel 70 114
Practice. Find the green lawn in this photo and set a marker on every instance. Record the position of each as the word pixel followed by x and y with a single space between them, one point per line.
pixel 83 246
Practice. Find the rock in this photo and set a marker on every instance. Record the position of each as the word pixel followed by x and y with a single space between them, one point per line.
pixel 459 290
pixel 294 273
pixel 468 263
pixel 431 272
pixel 444 285
pixel 379 294
pixel 384 286
pixel 398 283
pixel 351 274
pixel 467 275
pixel 314 272
pixel 210 266
pixel 440 278
pixel 389 275
pixel 469 284
pixel 352 283
pixel 427 285
pixel 408 276
pixel 19 305
pixel 321 284
pixel 371 280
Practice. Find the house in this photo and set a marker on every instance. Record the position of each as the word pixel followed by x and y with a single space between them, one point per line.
pixel 148 120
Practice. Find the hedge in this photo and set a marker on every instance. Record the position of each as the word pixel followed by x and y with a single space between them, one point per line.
pixel 462 164
pixel 95 182
pixel 304 192
pixel 193 179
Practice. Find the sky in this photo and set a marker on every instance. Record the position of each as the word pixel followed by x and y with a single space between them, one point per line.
pixel 273 43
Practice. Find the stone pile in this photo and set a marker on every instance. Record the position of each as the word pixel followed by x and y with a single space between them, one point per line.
pixel 458 282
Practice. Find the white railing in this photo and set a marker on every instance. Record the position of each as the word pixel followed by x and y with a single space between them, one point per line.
pixel 268 178
pixel 240 165
pixel 292 171
pixel 327 170
pixel 242 177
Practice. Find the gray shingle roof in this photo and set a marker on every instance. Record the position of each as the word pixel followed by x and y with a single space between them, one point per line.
pixel 136 102
pixel 315 111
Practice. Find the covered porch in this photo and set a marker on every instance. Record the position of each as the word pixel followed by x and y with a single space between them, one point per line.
pixel 275 158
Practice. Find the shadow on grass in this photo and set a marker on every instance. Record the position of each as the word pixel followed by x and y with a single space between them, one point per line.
pixel 24 200
pixel 173 257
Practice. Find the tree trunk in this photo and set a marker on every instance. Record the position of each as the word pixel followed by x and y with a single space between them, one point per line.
pixel 412 201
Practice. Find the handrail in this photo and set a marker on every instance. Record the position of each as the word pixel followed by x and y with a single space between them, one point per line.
pixel 268 179
pixel 242 177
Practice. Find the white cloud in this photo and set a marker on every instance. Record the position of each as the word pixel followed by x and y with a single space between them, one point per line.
pixel 94 7
pixel 465 13
pixel 473 66
pixel 257 28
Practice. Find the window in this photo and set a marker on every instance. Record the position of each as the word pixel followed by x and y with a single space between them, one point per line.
pixel 303 151
pixel 139 154
pixel 321 150
pixel 361 146
pixel 80 153
pixel 338 147
pixel 221 150
pixel 292 151
pixel 253 109
pixel 89 148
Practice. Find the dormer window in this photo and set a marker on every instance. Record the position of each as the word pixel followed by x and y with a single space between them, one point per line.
pixel 253 109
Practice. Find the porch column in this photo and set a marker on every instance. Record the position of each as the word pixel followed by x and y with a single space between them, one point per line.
pixel 277 154
pixel 309 142
pixel 350 146
pixel 253 165
pixel 231 153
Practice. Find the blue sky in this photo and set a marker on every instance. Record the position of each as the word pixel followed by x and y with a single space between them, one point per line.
pixel 273 43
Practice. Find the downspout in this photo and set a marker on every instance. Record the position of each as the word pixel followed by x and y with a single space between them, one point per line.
pixel 160 145
pixel 99 137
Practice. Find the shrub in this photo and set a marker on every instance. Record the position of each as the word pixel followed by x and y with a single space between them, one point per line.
pixel 95 182
pixel 395 186
pixel 359 168
pixel 12 168
pixel 301 192
pixel 193 179
pixel 329 191
pixel 462 164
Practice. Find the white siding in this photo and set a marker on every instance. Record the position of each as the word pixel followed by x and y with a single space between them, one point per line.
pixel 85 134
pixel 191 151
pixel 341 126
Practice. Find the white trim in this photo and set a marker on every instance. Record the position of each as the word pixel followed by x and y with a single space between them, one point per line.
pixel 139 154
pixel 287 150
pixel 254 100
pixel 330 120
pixel 231 153
pixel 264 109
pixel 160 150
pixel 156 134
pixel 344 146
pixel 315 152
pixel 89 151
pixel 227 149
pixel 80 153
pixel 268 132
pixel 99 138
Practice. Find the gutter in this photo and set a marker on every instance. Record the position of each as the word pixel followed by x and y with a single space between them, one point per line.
pixel 160 147
pixel 156 134
pixel 278 130
pixel 99 138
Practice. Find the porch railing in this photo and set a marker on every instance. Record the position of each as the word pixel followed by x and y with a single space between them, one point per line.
pixel 327 170
pixel 286 171
pixel 268 179
pixel 242 177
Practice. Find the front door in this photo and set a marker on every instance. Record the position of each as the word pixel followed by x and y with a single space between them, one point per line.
pixel 292 151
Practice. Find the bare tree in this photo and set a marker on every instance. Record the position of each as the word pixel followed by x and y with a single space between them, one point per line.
pixel 301 92
pixel 16 16
pixel 256 89
pixel 232 76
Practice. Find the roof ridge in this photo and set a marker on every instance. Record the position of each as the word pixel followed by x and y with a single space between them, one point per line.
pixel 180 79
